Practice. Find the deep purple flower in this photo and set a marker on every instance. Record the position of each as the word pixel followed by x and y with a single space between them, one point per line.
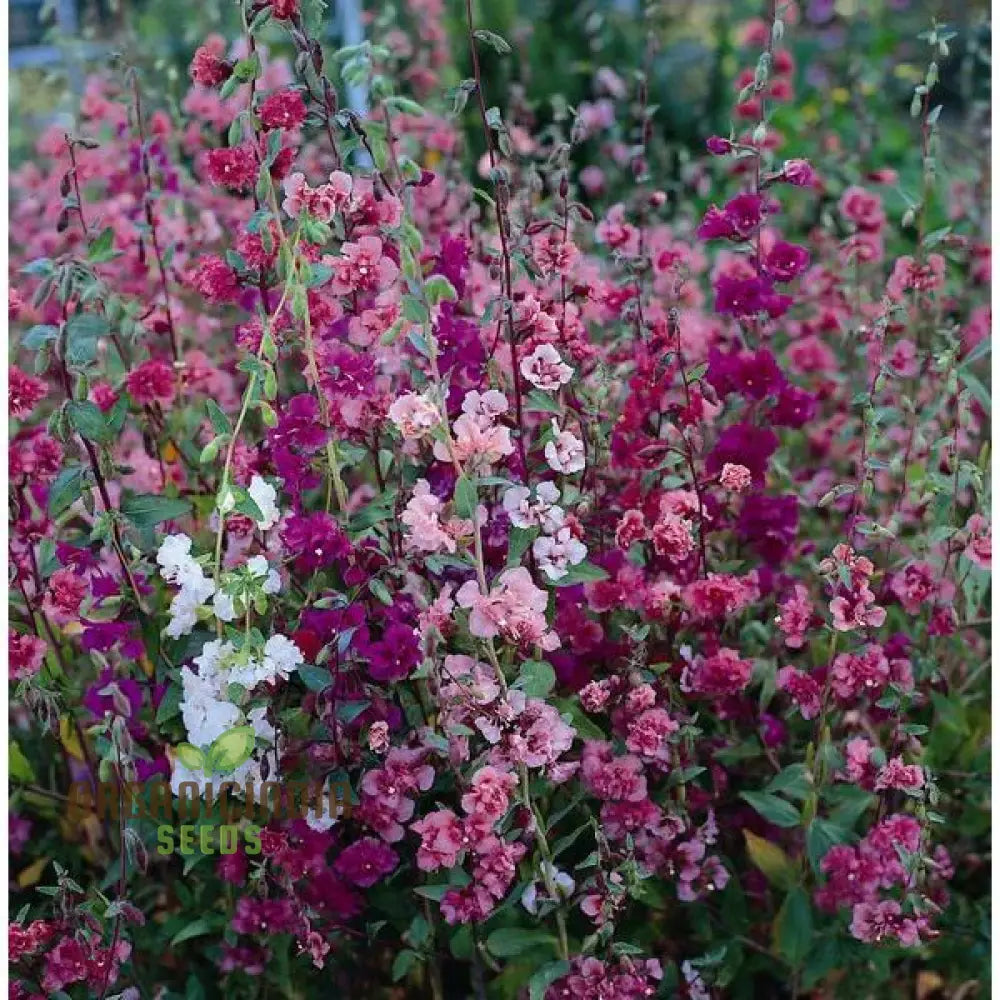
pixel 264 916
pixel 315 540
pixel 366 862
pixel 744 444
pixel 795 407
pixel 770 525
pixel 718 146
pixel 786 261
pixel 299 425
pixel 395 656
pixel 754 375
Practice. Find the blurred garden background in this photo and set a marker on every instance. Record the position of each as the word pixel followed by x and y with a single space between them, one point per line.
pixel 853 60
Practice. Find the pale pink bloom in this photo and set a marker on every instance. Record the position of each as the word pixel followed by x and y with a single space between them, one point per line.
pixel 422 516
pixel 415 415
pixel 858 767
pixel 736 478
pixel 564 452
pixel 378 737
pixel 545 369
pixel 514 608
pixel 321 203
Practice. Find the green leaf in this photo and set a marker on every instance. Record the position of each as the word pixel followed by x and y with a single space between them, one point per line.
pixel 439 289
pixel 102 249
pixel 190 756
pixel 381 591
pixel 82 333
pixel 18 766
pixel 793 927
pixel 170 704
pixel 519 542
pixel 221 424
pixel 506 942
pixel 39 336
pixel 978 390
pixel 493 40
pixel 774 810
pixel 88 421
pixel 315 678
pixel 67 487
pixel 585 572
pixel 402 963
pixel 194 929
pixel 466 498
pixel 541 402
pixel 795 781
pixel 545 977
pixel 231 749
pixel 146 509
pixel 537 678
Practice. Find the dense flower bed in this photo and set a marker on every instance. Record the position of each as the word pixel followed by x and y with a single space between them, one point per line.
pixel 625 564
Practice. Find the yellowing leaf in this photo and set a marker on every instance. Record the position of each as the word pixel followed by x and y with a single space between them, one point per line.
pixel 18 766
pixel 776 865
pixel 70 738
pixel 32 873
pixel 170 453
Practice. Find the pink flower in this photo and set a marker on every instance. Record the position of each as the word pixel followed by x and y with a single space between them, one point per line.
pixel 564 452
pixel 980 545
pixel 545 369
pixel 282 109
pixel 798 173
pixel 322 203
pixel 723 673
pixel 489 794
pixel 802 689
pixel 896 774
pixel 856 610
pixel 736 478
pixel 647 735
pixel 442 839
pixel 856 674
pixel 478 439
pixel 611 778
pixel 514 608
pixel 795 617
pixel 234 167
pixel 366 862
pixel 213 278
pixel 152 382
pixel 361 267
pixel 24 392
pixel 414 415
pixel 863 208
pixel 25 653
pixel 208 67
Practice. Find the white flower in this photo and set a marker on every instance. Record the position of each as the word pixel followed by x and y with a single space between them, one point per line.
pixel 206 716
pixel 545 369
pixel 564 452
pixel 542 513
pixel 174 556
pixel 222 605
pixel 283 654
pixel 265 496
pixel 195 590
pixel 555 553
pixel 258 566
pixel 564 886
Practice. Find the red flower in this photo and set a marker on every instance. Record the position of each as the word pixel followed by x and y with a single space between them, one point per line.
pixel 283 109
